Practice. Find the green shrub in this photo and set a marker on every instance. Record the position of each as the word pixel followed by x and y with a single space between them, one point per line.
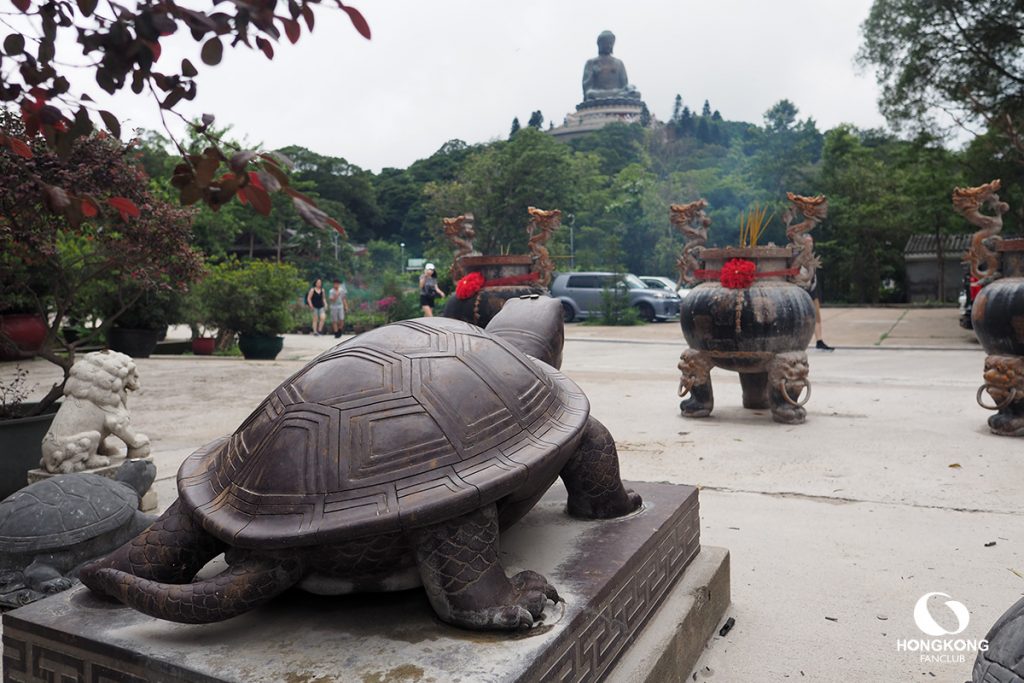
pixel 615 308
pixel 250 297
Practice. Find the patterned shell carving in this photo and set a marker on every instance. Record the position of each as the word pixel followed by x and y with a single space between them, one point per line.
pixel 403 426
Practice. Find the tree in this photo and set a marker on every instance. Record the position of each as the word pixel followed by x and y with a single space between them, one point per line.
pixel 964 58
pixel 515 127
pixel 499 182
pixel 706 109
pixel 677 108
pixel 58 268
pixel 787 150
pixel 536 120
pixel 645 115
pixel 123 44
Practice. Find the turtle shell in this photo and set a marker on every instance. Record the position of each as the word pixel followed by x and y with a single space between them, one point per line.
pixel 63 511
pixel 407 425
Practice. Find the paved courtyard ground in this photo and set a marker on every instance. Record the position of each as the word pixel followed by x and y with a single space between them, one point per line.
pixel 892 489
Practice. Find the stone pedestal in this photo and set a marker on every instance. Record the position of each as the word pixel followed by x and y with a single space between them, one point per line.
pixel 595 114
pixel 147 503
pixel 628 603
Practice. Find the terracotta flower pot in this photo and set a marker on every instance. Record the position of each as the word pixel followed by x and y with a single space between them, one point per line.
pixel 27 330
pixel 203 346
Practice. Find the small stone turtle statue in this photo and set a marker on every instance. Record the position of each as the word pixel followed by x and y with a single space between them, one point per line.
pixel 1003 660
pixel 391 461
pixel 48 529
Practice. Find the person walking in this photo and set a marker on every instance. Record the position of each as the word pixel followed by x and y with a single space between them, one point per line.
pixel 337 297
pixel 429 291
pixel 315 301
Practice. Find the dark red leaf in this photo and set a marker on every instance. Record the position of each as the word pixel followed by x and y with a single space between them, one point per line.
pixel 89 208
pixel 125 207
pixel 241 196
pixel 22 5
pixel 357 20
pixel 240 159
pixel 19 147
pixel 212 51
pixel 56 198
pixel 259 199
pixel 292 29
pixel 274 170
pixel 307 14
pixel 337 226
pixel 264 44
pixel 87 7
pixel 188 70
pixel 254 178
pixel 111 122
pixel 14 44
pixel 154 47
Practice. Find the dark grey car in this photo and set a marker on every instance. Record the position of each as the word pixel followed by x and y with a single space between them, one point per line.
pixel 581 295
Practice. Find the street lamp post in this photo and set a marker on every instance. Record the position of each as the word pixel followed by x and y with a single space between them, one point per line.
pixel 572 241
pixel 402 245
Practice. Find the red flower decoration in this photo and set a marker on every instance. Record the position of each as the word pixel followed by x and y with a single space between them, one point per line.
pixel 469 286
pixel 738 273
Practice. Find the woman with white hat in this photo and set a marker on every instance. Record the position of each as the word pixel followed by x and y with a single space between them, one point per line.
pixel 429 290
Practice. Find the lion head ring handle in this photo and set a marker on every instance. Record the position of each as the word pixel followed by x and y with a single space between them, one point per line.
pixel 789 399
pixel 1010 398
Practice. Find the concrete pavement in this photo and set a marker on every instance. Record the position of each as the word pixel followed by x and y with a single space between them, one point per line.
pixel 891 490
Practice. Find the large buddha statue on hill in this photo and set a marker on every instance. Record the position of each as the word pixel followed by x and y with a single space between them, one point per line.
pixel 604 76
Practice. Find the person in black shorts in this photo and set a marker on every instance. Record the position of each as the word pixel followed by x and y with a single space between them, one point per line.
pixel 815 293
pixel 315 300
pixel 429 290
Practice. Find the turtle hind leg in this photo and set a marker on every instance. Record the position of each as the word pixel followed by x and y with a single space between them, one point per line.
pixel 172 550
pixel 592 477
pixel 466 585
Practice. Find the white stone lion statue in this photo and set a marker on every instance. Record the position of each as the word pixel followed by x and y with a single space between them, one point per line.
pixel 94 411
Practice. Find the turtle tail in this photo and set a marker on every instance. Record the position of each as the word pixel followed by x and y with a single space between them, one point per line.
pixel 238 589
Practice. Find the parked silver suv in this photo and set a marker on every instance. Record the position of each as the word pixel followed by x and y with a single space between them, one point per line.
pixel 580 294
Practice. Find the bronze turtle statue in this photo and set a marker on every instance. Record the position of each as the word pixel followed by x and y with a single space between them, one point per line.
pixel 49 528
pixel 390 461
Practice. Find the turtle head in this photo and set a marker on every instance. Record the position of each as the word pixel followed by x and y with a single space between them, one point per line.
pixel 533 324
pixel 137 474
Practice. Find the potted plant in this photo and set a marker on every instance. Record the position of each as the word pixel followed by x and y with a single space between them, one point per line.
pixel 143 323
pixel 252 299
pixel 96 228
pixel 22 429
pixel 749 310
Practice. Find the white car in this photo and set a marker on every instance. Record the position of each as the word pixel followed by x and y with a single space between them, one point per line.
pixel 667 284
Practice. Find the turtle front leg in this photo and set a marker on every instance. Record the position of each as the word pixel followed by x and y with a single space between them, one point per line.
pixel 592 477
pixel 45 579
pixel 466 585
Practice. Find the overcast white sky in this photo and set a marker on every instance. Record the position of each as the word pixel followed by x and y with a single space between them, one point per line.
pixel 442 69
